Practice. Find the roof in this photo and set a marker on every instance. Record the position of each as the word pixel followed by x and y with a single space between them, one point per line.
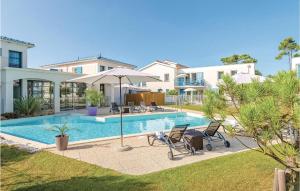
pixel 85 59
pixel 12 40
pixel 166 62
pixel 216 67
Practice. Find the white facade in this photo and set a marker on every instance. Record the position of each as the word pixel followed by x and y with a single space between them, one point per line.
pixel 198 78
pixel 7 45
pixel 92 65
pixel 211 74
pixel 167 72
pixel 296 65
pixel 15 75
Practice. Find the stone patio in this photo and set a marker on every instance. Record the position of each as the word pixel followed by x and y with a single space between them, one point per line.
pixel 142 159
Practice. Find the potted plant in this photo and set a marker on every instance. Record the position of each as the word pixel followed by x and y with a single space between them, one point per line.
pixel 94 98
pixel 62 139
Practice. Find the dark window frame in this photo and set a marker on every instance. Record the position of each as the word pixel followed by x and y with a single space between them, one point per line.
pixel 13 58
pixel 220 74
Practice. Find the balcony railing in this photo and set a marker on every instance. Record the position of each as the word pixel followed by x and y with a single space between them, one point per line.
pixel 190 83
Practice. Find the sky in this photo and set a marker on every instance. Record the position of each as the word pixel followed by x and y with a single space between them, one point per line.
pixel 192 32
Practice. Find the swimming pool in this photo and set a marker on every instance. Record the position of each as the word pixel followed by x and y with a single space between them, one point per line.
pixel 88 127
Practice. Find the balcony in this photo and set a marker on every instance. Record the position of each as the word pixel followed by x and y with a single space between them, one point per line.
pixel 196 83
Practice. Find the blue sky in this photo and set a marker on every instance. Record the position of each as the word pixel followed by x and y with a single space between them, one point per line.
pixel 193 33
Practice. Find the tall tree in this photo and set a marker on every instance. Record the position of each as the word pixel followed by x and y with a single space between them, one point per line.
pixel 287 47
pixel 238 59
pixel 234 59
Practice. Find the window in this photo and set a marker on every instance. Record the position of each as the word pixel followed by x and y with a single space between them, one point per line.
pixel 102 89
pixel 220 74
pixel 77 70
pixel 53 69
pixel 166 77
pixel 194 77
pixel 233 72
pixel 72 95
pixel 44 90
pixel 17 91
pixel 0 51
pixel 143 84
pixel 109 68
pixel 101 68
pixel 15 59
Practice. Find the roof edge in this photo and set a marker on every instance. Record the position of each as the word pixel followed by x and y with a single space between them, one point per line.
pixel 12 40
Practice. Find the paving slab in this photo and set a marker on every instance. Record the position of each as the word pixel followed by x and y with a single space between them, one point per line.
pixel 143 159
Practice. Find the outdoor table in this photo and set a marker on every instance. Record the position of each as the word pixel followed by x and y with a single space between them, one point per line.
pixel 195 138
pixel 126 109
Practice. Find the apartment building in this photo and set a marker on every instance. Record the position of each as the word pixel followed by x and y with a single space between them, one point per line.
pixel 180 77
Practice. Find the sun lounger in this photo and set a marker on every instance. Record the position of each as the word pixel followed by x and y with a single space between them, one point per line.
pixel 175 140
pixel 211 134
pixel 155 107
pixel 114 108
pixel 133 108
pixel 143 106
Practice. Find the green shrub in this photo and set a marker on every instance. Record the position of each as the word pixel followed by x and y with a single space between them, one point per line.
pixel 27 106
pixel 172 92
pixel 94 97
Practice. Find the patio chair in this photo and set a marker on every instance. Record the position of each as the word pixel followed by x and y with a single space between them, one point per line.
pixel 211 134
pixel 175 140
pixel 114 108
pixel 143 106
pixel 133 108
pixel 155 107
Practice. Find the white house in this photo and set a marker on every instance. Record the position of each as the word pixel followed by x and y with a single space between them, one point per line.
pixel 167 72
pixel 17 80
pixel 50 81
pixel 179 77
pixel 92 65
pixel 296 65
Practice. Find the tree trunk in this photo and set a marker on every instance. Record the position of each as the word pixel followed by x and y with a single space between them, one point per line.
pixel 292 180
pixel 297 137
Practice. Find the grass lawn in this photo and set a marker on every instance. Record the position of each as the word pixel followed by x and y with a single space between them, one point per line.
pixel 46 171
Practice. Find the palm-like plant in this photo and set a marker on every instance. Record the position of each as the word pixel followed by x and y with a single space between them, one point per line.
pixel 94 97
pixel 27 106
pixel 61 129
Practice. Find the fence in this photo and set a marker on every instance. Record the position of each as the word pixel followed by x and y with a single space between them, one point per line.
pixel 146 97
pixel 183 99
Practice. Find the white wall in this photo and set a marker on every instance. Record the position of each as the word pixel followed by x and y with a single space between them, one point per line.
pixel 210 73
pixel 8 75
pixel 6 46
pixel 160 69
pixel 88 66
pixel 295 62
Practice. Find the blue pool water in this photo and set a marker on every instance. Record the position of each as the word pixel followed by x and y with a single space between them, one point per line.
pixel 87 127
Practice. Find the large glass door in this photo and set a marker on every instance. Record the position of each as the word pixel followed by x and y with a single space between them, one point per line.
pixel 72 95
pixel 43 90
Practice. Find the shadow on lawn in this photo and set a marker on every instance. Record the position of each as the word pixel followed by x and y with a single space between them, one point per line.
pixel 91 183
pixel 9 155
